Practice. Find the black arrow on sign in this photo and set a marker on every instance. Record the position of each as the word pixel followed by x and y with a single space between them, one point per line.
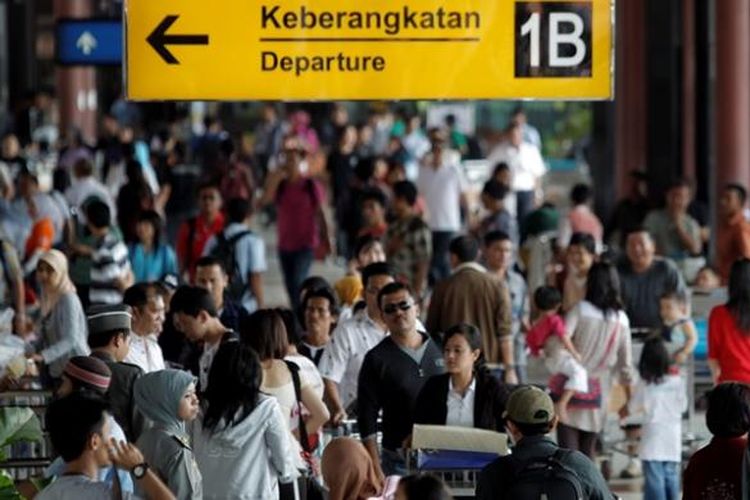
pixel 159 39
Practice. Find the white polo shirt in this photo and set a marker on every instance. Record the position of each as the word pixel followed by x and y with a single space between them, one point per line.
pixel 145 352
pixel 346 351
pixel 441 189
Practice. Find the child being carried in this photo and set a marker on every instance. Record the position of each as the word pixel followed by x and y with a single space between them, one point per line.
pixel 547 336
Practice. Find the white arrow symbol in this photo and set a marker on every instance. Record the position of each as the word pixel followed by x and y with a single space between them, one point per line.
pixel 86 42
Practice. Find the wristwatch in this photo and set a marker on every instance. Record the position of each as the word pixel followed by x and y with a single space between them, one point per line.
pixel 140 470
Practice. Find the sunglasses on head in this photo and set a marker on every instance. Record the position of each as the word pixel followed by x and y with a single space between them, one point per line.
pixel 392 308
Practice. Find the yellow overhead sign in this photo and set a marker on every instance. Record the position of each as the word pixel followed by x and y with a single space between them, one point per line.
pixel 374 49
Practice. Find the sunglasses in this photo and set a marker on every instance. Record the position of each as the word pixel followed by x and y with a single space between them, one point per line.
pixel 293 151
pixel 402 306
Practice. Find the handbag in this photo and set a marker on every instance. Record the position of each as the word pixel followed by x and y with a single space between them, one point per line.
pixel 310 487
pixel 589 400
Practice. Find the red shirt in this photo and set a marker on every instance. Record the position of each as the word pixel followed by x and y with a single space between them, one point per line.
pixel 374 231
pixel 715 471
pixel 729 346
pixel 297 205
pixel 550 326
pixel 203 231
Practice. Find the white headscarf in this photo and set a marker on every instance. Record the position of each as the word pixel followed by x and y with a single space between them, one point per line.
pixel 60 284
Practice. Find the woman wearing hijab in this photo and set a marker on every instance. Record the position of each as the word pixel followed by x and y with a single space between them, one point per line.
pixel 63 328
pixel 167 398
pixel 349 473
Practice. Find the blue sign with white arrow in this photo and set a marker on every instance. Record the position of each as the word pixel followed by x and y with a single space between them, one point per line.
pixel 89 41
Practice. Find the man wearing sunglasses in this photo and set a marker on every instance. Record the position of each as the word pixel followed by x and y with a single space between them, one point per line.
pixel 392 374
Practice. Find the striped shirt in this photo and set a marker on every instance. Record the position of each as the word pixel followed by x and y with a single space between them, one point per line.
pixel 108 263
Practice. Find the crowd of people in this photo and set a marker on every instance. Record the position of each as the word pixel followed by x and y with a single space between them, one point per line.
pixel 133 272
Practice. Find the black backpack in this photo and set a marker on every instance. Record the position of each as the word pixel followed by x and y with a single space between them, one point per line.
pixel 545 478
pixel 224 251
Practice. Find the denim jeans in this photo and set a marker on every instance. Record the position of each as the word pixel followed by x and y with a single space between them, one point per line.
pixel 393 463
pixel 524 206
pixel 296 267
pixel 661 480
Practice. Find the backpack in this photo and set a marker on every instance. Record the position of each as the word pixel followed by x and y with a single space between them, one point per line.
pixel 224 251
pixel 545 478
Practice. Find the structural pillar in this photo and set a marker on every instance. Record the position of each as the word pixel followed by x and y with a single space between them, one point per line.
pixel 732 94
pixel 76 86
pixel 630 92
pixel 688 90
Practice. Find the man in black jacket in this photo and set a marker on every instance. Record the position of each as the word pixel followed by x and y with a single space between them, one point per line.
pixel 393 372
pixel 530 415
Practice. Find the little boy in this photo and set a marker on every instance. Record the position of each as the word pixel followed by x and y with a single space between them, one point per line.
pixel 110 272
pixel 547 335
pixel 678 332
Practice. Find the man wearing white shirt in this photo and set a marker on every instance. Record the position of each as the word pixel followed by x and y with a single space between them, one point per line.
pixel 416 144
pixel 526 165
pixel 351 340
pixel 442 184
pixel 148 319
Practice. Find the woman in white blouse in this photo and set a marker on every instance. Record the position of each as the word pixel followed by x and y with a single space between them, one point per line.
pixel 467 395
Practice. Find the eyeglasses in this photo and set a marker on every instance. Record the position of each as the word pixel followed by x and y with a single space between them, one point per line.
pixel 402 306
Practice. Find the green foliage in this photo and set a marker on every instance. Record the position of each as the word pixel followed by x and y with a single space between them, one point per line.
pixel 18 424
pixel 8 488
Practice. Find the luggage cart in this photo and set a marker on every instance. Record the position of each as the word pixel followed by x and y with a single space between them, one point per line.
pixel 348 428
pixel 455 454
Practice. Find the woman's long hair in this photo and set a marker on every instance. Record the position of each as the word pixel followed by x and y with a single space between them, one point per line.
pixel 265 332
pixel 233 386
pixel 739 294
pixel 603 288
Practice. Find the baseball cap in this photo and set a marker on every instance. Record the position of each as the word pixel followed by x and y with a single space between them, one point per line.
pixel 529 405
